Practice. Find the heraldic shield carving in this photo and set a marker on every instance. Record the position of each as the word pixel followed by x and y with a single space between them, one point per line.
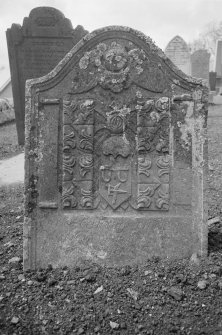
pixel 115 184
pixel 116 131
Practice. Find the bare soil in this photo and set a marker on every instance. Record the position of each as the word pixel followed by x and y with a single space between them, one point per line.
pixel 162 297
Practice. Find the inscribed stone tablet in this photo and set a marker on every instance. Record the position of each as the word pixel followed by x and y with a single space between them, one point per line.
pixel 115 161
pixel 35 48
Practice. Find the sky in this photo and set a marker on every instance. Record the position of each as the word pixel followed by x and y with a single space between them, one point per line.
pixel 159 19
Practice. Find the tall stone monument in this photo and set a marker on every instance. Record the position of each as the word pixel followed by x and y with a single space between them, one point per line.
pixel 178 52
pixel 34 49
pixel 115 156
pixel 200 63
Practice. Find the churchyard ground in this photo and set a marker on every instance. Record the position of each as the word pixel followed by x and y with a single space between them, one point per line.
pixel 161 297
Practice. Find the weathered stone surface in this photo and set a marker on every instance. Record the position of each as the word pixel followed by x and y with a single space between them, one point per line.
pixel 34 49
pixel 178 52
pixel 200 62
pixel 115 156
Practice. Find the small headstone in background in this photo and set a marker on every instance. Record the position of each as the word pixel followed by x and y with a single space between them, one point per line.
pixel 200 62
pixel 212 80
pixel 218 66
pixel 178 52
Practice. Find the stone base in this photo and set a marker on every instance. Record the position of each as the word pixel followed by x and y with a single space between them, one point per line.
pixel 68 239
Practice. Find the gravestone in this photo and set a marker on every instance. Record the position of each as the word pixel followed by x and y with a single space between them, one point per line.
pixel 34 49
pixel 218 66
pixel 212 80
pixel 218 59
pixel 178 52
pixel 200 63
pixel 115 156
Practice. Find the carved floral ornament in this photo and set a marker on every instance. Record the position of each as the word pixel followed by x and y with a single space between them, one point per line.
pixel 115 66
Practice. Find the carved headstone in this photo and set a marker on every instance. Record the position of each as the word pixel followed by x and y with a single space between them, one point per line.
pixel 178 52
pixel 115 156
pixel 200 63
pixel 34 49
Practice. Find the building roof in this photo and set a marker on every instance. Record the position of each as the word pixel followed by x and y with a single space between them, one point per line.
pixel 5 85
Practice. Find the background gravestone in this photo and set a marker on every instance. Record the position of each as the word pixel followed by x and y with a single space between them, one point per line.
pixel 218 59
pixel 34 49
pixel 178 52
pixel 200 63
pixel 212 80
pixel 218 66
pixel 115 156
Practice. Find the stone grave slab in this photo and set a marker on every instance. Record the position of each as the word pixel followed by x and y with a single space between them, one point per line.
pixel 178 52
pixel 200 64
pixel 115 156
pixel 34 49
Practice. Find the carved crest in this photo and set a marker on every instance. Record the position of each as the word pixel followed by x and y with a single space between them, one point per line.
pixel 115 67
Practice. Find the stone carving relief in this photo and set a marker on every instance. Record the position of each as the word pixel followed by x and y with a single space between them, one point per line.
pixel 153 182
pixel 115 134
pixel 115 184
pixel 116 67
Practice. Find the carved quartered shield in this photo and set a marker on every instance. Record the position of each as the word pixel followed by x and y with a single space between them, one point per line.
pixel 115 184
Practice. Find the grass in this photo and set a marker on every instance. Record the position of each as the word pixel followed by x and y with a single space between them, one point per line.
pixel 9 141
pixel 7 116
